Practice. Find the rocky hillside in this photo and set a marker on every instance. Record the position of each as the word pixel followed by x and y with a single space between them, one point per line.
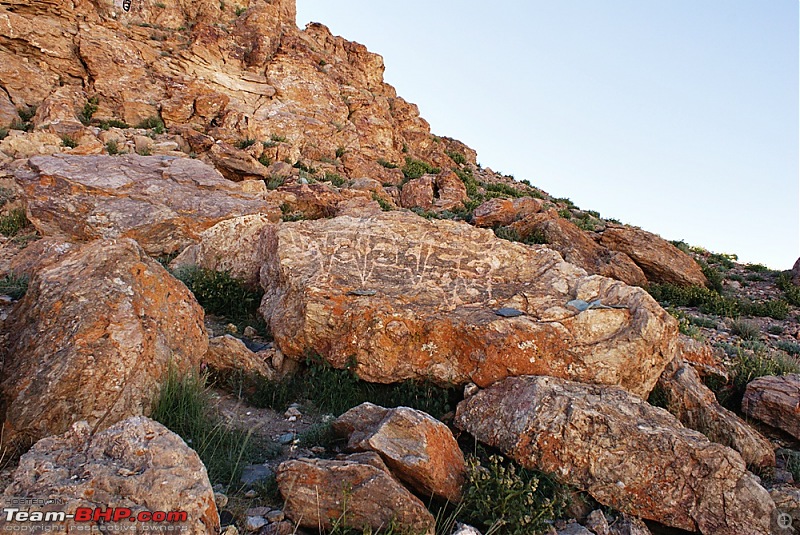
pixel 242 284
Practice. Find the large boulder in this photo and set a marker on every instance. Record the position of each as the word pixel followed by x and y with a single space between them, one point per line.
pixel 500 212
pixel 401 297
pixel 162 202
pixel 578 248
pixel 627 454
pixel 661 261
pixel 356 491
pixel 775 401
pixel 419 449
pixel 444 191
pixel 136 464
pixel 697 408
pixel 228 354
pixel 92 338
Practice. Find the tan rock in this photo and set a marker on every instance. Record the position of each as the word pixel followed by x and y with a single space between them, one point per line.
pixel 444 191
pixel 416 447
pixel 37 255
pixel 115 322
pixel 627 454
pixel 661 261
pixel 502 212
pixel 232 245
pixel 19 144
pixel 8 112
pixel 318 492
pixel 162 202
pixel 229 354
pixel 59 111
pixel 426 307
pixel 578 248
pixel 775 401
pixel 697 408
pixel 418 193
pixel 235 164
pixel 705 359
pixel 137 464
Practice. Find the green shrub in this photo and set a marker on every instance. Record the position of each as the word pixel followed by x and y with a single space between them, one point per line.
pixel 775 329
pixel 776 309
pixel 709 301
pixel 113 123
pixel 745 329
pixel 469 183
pixel 240 10
pixel 791 460
pixel 278 139
pixel 340 152
pixel 244 143
pixel 790 291
pixel 793 348
pixel 501 498
pixel 14 222
pixel 88 111
pixel 457 157
pixel 112 148
pixel 387 164
pixel 306 168
pixel 724 260
pixel 219 293
pixel 153 123
pixel 265 160
pixel 565 213
pixel 14 286
pixel 504 189
pixel 385 205
pixel 536 237
pixel 275 181
pixel 713 275
pixel 335 179
pixel 756 268
pixel 69 141
pixel 416 168
pixel 184 407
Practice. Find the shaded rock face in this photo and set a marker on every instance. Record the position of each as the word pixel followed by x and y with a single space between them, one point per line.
pixel 319 491
pixel 661 261
pixel 775 401
pixel 444 191
pixel 419 449
pixel 404 297
pixel 624 452
pixel 697 408
pixel 163 203
pixel 113 321
pixel 137 463
pixel 578 248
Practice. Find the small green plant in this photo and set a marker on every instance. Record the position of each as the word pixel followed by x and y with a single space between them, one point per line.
pixel 757 268
pixel 14 222
pixel 240 10
pixel 89 109
pixel 709 301
pixel 184 407
pixel 457 157
pixel 504 499
pixel 775 329
pixel 3 133
pixel 6 194
pixel 565 213
pixel 144 151
pixel 288 214
pixel 387 164
pixel 793 348
pixel 776 309
pixel 25 117
pixel 385 205
pixel 112 148
pixel 335 179
pixel 745 329
pixel 219 293
pixel 14 286
pixel 153 123
pixel 278 139
pixel 69 141
pixel 340 152
pixel 274 182
pixel 790 291
pixel 244 143
pixel 306 168
pixel 320 434
pixel 470 183
pixel 713 275
pixel 504 189
pixel 265 160
pixel 113 123
pixel 536 237
pixel 416 168
pixel 791 460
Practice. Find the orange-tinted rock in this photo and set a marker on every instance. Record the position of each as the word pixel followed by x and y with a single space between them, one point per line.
pixel 661 261
pixel 59 111
pixel 229 354
pixel 115 322
pixel 502 212
pixel 578 248
pixel 444 191
pixel 403 297
pixel 162 202
pixel 35 256
pixel 137 464
pixel 697 408
pixel 627 454
pixel 418 193
pixel 775 401
pixel 416 447
pixel 317 491
pixel 235 164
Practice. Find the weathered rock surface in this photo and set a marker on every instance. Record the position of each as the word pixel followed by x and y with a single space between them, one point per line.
pixel 92 338
pixel 502 212
pixel 418 449
pixel 661 261
pixel 775 401
pixel 405 297
pixel 624 452
pixel 697 408
pixel 137 464
pixel 578 248
pixel 319 491
pixel 229 354
pixel 444 191
pixel 35 256
pixel 232 245
pixel 163 203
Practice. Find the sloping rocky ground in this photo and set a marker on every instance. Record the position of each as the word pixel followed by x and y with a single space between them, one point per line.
pixel 235 227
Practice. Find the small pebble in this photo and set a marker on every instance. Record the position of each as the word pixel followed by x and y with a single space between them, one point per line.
pixel 250 332
pixel 254 523
pixel 231 328
pixel 250 494
pixel 276 515
pixel 220 499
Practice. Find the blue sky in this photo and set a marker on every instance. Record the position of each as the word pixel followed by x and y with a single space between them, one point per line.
pixel 678 116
